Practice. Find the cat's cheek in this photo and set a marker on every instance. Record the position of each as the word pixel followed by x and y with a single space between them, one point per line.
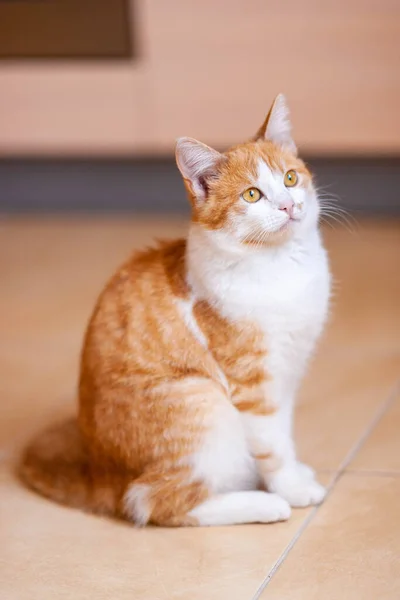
pixel 307 210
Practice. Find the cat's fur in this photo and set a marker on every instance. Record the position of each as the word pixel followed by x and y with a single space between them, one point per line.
pixel 195 351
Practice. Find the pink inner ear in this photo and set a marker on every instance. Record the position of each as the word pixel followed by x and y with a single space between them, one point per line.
pixel 195 159
pixel 277 126
pixel 203 183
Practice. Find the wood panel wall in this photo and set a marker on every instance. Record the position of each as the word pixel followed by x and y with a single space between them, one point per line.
pixel 210 69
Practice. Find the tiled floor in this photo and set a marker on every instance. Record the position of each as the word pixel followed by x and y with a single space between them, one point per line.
pixel 348 424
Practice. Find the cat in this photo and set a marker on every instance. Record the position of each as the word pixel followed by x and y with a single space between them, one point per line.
pixel 195 351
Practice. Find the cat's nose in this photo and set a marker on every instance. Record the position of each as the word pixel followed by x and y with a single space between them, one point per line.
pixel 288 206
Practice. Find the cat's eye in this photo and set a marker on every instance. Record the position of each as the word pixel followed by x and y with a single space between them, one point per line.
pixel 290 179
pixel 252 195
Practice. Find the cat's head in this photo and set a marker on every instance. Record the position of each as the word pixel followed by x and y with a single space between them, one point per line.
pixel 256 193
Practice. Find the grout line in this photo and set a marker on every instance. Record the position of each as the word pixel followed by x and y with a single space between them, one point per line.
pixel 336 476
pixel 295 538
pixel 372 473
pixel 284 554
pixel 369 429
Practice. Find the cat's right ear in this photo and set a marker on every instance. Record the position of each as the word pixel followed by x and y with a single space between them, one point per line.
pixel 197 163
pixel 277 126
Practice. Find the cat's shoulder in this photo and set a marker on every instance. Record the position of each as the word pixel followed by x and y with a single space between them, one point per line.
pixel 160 267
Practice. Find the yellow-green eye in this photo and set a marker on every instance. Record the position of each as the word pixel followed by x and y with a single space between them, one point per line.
pixel 252 195
pixel 290 179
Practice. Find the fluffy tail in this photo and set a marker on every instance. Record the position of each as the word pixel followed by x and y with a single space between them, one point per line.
pixel 56 465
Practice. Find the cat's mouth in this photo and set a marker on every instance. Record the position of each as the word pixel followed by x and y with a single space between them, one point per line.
pixel 290 222
pixel 294 219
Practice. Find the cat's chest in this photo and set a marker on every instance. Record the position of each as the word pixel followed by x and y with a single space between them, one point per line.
pixel 289 311
pixel 287 302
pixel 286 297
pixel 267 311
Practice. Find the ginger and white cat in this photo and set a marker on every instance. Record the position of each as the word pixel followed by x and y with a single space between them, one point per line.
pixel 195 352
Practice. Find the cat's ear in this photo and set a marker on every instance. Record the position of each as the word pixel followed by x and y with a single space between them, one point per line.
pixel 277 126
pixel 197 163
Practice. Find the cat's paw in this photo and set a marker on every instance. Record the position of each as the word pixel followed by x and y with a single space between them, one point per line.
pixel 277 509
pixel 302 494
pixel 298 487
pixel 305 471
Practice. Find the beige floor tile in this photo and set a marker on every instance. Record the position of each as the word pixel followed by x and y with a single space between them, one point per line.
pixel 59 550
pixel 381 451
pixel 339 399
pixel 350 550
pixel 51 272
pixel 366 284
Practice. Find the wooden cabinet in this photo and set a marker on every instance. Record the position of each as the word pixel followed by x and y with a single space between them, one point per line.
pixel 210 69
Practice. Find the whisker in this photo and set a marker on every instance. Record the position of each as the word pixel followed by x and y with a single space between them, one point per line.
pixel 341 214
pixel 339 219
pixel 326 191
pixel 326 221
pixel 332 210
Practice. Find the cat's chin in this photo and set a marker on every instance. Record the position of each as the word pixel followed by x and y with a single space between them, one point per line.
pixel 285 230
pixel 291 228
pixel 296 227
pixel 286 226
pixel 272 238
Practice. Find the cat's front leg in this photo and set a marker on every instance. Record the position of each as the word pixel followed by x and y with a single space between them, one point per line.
pixel 271 444
pixel 295 485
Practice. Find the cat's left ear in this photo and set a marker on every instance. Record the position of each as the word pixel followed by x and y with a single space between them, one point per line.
pixel 277 126
pixel 197 163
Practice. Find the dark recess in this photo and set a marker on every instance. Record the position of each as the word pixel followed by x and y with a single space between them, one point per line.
pixel 363 185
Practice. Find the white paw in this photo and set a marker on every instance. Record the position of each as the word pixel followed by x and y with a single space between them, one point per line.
pixel 305 471
pixel 277 509
pixel 297 487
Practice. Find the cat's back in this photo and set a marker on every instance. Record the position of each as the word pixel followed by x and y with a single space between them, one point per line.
pixel 150 278
pixel 137 350
pixel 158 270
pixel 137 312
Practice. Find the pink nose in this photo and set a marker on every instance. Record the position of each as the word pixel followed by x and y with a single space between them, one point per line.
pixel 288 206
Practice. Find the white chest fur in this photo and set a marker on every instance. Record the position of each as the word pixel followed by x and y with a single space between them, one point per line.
pixel 284 290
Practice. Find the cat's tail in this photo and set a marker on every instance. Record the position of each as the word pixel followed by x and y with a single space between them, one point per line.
pixel 56 465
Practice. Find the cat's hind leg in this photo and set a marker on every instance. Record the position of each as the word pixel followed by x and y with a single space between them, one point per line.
pixel 203 472
pixel 171 501
pixel 235 508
